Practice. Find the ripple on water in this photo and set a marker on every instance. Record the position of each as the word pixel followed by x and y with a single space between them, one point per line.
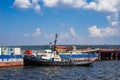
pixel 100 70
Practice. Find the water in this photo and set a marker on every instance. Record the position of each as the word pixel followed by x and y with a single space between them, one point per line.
pixel 100 70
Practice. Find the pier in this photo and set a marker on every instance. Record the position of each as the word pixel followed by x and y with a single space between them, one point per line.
pixel 106 54
pixel 109 54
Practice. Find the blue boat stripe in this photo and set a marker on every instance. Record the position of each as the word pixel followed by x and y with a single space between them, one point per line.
pixel 10 56
pixel 78 55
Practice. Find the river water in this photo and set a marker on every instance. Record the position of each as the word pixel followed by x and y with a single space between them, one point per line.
pixel 99 70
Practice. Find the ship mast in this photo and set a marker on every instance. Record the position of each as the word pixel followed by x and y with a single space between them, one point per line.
pixel 55 42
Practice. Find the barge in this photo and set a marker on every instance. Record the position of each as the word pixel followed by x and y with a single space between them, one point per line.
pixel 11 61
pixel 10 57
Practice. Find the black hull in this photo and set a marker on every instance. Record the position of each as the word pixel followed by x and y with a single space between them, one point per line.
pixel 34 61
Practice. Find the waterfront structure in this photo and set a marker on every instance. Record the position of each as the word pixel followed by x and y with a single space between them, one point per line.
pixel 10 56
pixel 111 54
pixel 10 50
pixel 105 54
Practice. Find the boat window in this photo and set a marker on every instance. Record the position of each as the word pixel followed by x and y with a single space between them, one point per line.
pixel 47 52
pixel 4 49
pixel 12 53
pixel 11 49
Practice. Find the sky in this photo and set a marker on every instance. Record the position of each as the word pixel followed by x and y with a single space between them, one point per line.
pixel 77 22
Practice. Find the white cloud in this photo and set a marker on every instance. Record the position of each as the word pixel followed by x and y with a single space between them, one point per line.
pixel 104 5
pixel 109 31
pixel 50 3
pixel 116 16
pixel 37 32
pixel 63 37
pixel 91 5
pixel 72 32
pixel 60 3
pixel 113 17
pixel 112 30
pixel 37 8
pixel 68 37
pixel 74 3
pixel 97 5
pixel 35 1
pixel 103 32
pixel 109 18
pixel 94 31
pixel 24 4
pixel 114 23
pixel 27 4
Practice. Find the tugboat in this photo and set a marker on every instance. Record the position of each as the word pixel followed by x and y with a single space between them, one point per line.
pixel 53 58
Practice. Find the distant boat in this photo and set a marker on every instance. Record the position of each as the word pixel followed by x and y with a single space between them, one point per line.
pixel 52 58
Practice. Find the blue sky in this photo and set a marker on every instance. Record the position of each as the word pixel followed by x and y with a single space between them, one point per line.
pixel 81 22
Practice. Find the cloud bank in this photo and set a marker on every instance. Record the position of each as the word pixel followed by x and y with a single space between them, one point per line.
pixel 111 7
pixel 27 4
pixel 97 5
pixel 112 30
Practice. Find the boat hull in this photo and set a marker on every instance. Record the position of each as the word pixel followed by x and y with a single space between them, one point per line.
pixel 34 61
